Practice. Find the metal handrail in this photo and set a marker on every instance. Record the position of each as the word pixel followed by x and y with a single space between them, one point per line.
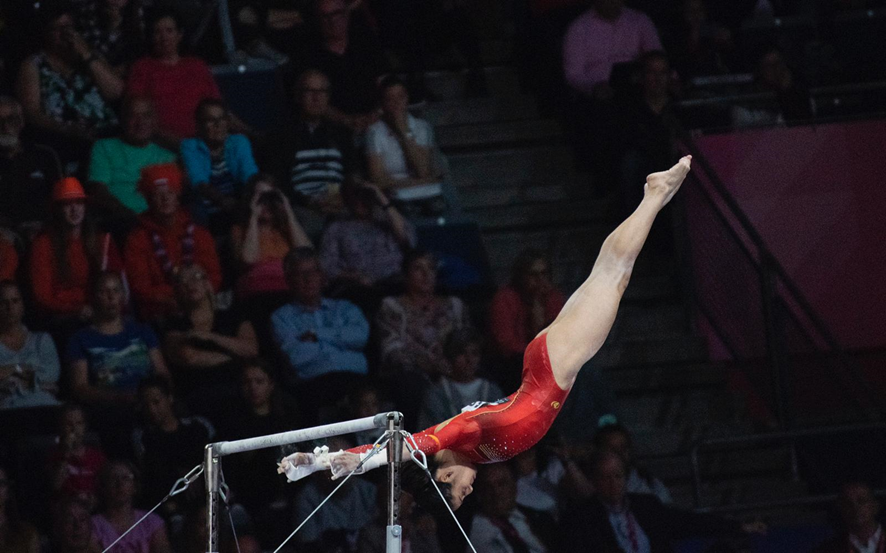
pixel 765 256
pixel 825 90
pixel 778 503
pixel 752 439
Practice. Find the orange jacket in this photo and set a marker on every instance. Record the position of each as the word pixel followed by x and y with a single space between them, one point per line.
pixel 54 296
pixel 8 260
pixel 151 289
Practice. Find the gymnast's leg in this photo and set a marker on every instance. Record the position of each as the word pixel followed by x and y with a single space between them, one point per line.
pixel 582 326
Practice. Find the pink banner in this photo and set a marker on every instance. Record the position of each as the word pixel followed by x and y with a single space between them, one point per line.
pixel 817 195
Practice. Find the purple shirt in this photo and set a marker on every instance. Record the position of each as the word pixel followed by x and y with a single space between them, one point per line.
pixel 593 45
pixel 137 541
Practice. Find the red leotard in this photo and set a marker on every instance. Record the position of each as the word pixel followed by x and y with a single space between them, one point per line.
pixel 499 431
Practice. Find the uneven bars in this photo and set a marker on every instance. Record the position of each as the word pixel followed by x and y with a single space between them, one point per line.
pixel 221 449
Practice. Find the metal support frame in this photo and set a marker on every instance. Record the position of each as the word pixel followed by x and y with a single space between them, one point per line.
pixel 392 422
pixel 394 532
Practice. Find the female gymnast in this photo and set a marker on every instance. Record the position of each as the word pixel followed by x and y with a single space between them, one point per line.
pixel 490 433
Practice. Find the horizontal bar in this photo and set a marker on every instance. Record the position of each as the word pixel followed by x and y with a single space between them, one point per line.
pixel 302 435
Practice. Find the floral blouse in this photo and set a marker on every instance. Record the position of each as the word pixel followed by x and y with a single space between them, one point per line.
pixel 412 337
pixel 75 99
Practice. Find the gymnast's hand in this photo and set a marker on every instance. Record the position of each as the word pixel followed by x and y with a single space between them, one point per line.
pixel 344 463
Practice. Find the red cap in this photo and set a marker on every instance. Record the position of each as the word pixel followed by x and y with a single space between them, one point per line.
pixel 163 174
pixel 68 189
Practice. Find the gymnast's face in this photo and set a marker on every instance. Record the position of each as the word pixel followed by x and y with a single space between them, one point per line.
pixel 461 478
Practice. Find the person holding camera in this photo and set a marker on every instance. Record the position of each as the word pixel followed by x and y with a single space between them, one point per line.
pixel 362 251
pixel 268 230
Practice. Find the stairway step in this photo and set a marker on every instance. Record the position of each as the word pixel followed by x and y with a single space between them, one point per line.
pixel 636 380
pixel 501 80
pixel 740 491
pixel 537 164
pixel 482 197
pixel 639 320
pixel 539 215
pixel 497 134
pixel 675 470
pixel 653 440
pixel 653 351
pixel 478 110
pixel 670 409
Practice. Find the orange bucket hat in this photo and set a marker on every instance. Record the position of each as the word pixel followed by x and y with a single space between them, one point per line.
pixel 162 174
pixel 68 189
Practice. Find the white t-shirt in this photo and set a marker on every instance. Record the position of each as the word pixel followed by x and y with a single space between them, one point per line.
pixel 380 141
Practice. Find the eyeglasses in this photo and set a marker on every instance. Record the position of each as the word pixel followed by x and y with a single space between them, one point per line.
pixel 215 120
pixel 315 90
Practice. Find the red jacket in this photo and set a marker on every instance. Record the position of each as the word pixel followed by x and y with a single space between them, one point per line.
pixel 151 288
pixel 8 260
pixel 509 319
pixel 54 296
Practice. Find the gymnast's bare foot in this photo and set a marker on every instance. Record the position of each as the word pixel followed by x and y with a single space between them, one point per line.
pixel 665 184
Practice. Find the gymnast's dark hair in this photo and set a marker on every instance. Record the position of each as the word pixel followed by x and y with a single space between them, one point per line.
pixel 414 480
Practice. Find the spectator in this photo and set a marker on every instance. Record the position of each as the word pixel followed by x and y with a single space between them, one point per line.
pixel 362 252
pixel 72 527
pixel 311 156
pixel 8 258
pixel 114 29
pixel 367 400
pixel 412 329
pixel 460 387
pixel 110 357
pixel 68 256
pixel 66 88
pixel 177 84
pixel 607 34
pixel 616 437
pixel 702 46
pixel 116 164
pixel 167 446
pixel 547 478
pixel 118 487
pixel 263 409
pixel 615 520
pixel 271 29
pixel 74 465
pixel 352 59
pixel 218 164
pixel 194 535
pixel 16 536
pixel 501 526
pixel 29 367
pixel 520 310
pixel 205 346
pixel 400 148
pixel 268 231
pixel 649 124
pixel 419 529
pixel 860 529
pixel 792 102
pixel 339 523
pixel 420 31
pixel 165 241
pixel 318 336
pixel 27 172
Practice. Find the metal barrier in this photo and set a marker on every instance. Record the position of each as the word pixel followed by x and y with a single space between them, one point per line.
pixel 772 437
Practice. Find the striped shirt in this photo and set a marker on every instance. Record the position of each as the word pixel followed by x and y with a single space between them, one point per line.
pixel 313 170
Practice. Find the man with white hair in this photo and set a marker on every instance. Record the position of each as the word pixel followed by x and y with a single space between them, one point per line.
pixel 27 172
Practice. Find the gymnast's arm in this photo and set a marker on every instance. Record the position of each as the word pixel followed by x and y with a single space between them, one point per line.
pixel 448 435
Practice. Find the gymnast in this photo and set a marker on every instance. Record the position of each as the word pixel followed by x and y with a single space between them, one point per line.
pixel 494 432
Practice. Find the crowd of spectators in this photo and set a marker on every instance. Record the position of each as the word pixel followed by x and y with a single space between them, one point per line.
pixel 169 276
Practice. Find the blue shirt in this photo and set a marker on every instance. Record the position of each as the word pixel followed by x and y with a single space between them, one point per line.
pixel 239 160
pixel 342 332
pixel 115 361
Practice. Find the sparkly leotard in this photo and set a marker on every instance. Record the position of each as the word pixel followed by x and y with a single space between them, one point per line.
pixel 493 432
